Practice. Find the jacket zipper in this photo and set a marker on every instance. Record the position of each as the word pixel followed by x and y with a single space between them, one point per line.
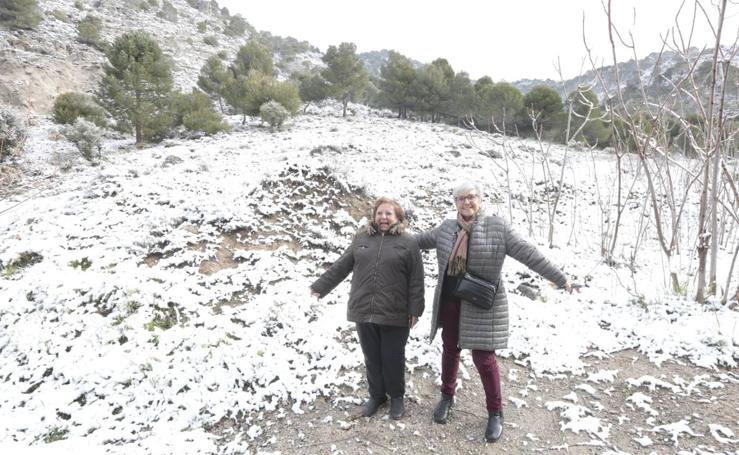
pixel 374 276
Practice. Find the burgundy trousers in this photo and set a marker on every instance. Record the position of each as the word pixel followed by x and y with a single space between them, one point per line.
pixel 485 361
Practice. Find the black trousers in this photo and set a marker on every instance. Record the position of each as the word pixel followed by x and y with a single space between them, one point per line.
pixel 383 347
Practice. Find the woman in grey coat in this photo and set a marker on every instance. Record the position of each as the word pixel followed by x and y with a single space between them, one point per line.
pixel 478 244
pixel 385 301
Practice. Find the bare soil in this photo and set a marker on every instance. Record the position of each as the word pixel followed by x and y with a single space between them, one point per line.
pixel 700 397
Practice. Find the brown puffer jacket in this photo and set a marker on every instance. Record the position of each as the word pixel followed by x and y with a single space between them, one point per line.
pixel 387 285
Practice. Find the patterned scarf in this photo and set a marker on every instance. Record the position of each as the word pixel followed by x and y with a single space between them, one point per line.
pixel 458 258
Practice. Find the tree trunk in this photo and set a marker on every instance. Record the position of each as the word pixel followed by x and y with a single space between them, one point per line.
pixel 703 238
pixel 344 102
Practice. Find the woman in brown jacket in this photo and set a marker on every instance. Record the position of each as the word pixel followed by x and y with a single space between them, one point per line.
pixel 477 244
pixel 385 301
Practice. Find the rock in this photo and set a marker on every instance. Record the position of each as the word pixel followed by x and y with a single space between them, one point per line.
pixel 171 160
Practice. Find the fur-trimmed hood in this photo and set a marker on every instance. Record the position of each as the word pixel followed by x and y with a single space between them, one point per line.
pixel 395 229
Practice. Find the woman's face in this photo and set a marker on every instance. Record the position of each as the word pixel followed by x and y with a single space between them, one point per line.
pixel 468 204
pixel 385 217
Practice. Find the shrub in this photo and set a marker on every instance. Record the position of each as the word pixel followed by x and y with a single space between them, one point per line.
pixel 60 15
pixel 236 26
pixel 89 30
pixel 79 5
pixel 86 136
pixel 195 112
pixel 273 113
pixel 24 14
pixel 202 26
pixel 71 105
pixel 211 40
pixel 168 11
pixel 11 133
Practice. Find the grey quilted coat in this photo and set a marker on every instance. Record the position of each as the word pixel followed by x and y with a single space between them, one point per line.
pixel 491 240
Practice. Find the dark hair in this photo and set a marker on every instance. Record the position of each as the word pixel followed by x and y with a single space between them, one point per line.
pixel 399 212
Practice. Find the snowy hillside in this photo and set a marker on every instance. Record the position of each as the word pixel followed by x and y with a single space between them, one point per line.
pixel 164 292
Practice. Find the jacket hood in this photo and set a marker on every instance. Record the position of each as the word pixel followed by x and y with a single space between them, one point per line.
pixel 396 229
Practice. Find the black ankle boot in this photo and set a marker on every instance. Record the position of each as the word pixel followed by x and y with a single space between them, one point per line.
pixel 371 406
pixel 441 411
pixel 397 408
pixel 495 426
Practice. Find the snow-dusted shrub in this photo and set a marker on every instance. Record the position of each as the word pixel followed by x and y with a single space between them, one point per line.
pixel 12 133
pixel 88 30
pixel 86 136
pixel 195 112
pixel 211 40
pixel 70 105
pixel 168 11
pixel 273 113
pixel 20 13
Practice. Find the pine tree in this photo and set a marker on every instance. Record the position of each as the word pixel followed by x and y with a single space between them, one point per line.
pixel 345 73
pixel 24 14
pixel 137 86
pixel 544 103
pixel 252 56
pixel 214 78
pixel 396 83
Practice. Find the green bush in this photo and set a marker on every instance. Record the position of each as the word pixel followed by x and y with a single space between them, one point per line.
pixel 211 40
pixel 70 105
pixel 79 5
pixel 89 30
pixel 12 134
pixel 236 26
pixel 195 112
pixel 23 14
pixel 86 136
pixel 273 113
pixel 202 26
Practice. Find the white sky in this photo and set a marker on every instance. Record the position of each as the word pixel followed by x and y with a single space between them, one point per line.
pixel 504 39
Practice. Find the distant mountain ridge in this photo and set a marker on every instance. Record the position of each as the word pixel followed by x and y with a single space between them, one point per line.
pixel 40 64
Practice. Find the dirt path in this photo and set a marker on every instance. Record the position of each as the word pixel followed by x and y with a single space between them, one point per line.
pixel 684 399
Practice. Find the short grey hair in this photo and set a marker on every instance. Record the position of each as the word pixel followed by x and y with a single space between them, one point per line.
pixel 467 186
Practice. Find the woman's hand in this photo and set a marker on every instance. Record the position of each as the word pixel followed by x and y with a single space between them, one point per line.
pixel 412 320
pixel 314 294
pixel 568 287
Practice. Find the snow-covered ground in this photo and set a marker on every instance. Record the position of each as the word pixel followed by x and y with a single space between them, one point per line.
pixel 166 289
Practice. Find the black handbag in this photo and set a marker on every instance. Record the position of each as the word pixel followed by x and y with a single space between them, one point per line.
pixel 476 291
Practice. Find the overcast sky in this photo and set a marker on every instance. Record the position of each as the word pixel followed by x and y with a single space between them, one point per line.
pixel 504 39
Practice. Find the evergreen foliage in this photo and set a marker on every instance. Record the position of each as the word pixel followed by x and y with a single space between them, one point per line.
pixel 252 56
pixel 20 14
pixel 585 109
pixel 432 89
pixel 236 25
pixel 86 136
pixel 12 133
pixel 505 105
pixel 247 94
pixel 344 73
pixel 213 79
pixel 88 30
pixel 69 106
pixel 398 78
pixel 462 102
pixel 195 112
pixel 273 113
pixel 312 88
pixel 137 86
pixel 544 104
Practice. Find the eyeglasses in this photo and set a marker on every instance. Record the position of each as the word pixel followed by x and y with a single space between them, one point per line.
pixel 468 198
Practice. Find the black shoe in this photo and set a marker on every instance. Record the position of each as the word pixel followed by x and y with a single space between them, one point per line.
pixel 441 411
pixel 495 426
pixel 372 405
pixel 397 409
